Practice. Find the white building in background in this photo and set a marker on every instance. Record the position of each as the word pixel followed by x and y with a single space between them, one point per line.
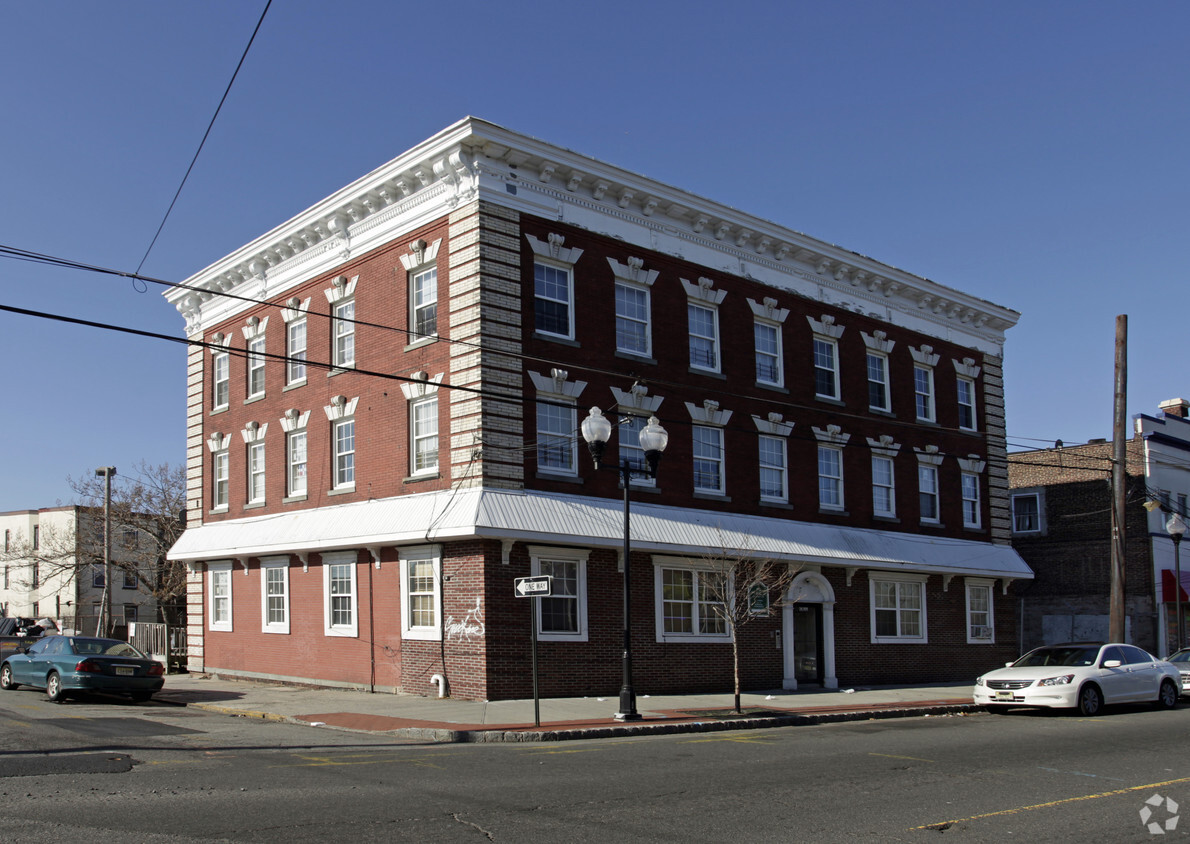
pixel 47 573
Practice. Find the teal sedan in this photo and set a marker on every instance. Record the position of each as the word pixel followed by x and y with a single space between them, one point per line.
pixel 65 664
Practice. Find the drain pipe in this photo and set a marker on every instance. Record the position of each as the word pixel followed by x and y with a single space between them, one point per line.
pixel 439 681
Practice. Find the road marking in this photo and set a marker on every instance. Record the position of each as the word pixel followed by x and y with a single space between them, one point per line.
pixel 1052 803
pixel 547 752
pixel 1079 774
pixel 736 739
pixel 891 756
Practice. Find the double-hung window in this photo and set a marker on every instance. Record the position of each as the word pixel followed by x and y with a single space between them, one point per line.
pixel 878 392
pixel 981 625
pixel 563 615
pixel 966 394
pixel 423 416
pixel 553 300
pixel 421 573
pixel 1026 513
pixel 220 477
pixel 340 595
pixel 424 296
pixel 704 336
pixel 295 351
pixel 628 434
pixel 923 391
pixel 971 506
pixel 826 368
pixel 274 595
pixel 344 333
pixel 691 604
pixel 219 596
pixel 295 447
pixel 830 478
pixel 221 380
pixel 927 493
pixel 767 337
pixel 884 494
pixel 556 442
pixel 256 476
pixel 256 367
pixel 343 433
pixel 633 335
pixel 774 474
pixel 898 608
pixel 708 460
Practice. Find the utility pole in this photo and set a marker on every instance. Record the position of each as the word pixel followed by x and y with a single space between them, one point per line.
pixel 103 625
pixel 1118 482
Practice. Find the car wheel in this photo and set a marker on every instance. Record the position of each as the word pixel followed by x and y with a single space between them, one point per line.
pixel 141 697
pixel 1090 700
pixel 53 687
pixel 1167 698
pixel 6 682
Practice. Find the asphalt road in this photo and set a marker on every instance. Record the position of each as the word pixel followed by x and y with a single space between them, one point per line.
pixel 101 770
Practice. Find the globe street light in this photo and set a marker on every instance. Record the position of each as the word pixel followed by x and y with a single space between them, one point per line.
pixel 597 430
pixel 1175 525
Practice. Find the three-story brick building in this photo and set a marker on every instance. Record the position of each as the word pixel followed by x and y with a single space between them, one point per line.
pixel 384 405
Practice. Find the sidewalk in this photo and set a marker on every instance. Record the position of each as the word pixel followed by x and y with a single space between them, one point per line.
pixel 451 720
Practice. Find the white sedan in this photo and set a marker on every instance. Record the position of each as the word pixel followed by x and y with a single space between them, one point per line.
pixel 1086 675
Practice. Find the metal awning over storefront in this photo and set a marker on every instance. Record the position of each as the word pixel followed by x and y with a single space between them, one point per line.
pixel 583 521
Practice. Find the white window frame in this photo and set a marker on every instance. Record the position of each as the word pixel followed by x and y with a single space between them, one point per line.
pixel 712 339
pixel 926 471
pixel 256 473
pixel 972 500
pixel 267 565
pixel 220 480
pixel 220 380
pixel 296 343
pixel 343 457
pixel 433 555
pixel 890 487
pixel 969 406
pixel 219 572
pixel 349 561
pixel 420 436
pixel 423 296
pixel 831 479
pixel 818 354
pixel 541 554
pixel 628 441
pixel 539 295
pixel 644 326
pixel 663 564
pixel 774 356
pixel 883 381
pixel 291 464
pixel 923 393
pixel 981 584
pixel 781 468
pixel 565 415
pixel 701 455
pixel 1036 496
pixel 343 333
pixel 900 580
pixel 256 349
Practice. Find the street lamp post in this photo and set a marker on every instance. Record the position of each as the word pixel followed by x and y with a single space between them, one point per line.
pixel 597 430
pixel 1175 525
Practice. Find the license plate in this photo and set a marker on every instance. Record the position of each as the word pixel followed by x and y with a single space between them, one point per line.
pixel 1003 695
pixel 126 670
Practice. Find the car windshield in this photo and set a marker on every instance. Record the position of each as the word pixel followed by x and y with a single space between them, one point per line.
pixel 104 647
pixel 1180 656
pixel 1069 655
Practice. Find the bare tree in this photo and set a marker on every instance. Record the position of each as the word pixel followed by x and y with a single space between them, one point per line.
pixel 741 589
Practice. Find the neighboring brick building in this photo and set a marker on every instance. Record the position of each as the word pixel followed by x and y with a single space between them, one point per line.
pixel 384 404
pixel 1061 499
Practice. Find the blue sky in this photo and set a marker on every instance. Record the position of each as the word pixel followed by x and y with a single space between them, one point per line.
pixel 1031 153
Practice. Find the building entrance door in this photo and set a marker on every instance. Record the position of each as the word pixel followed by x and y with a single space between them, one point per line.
pixel 807 643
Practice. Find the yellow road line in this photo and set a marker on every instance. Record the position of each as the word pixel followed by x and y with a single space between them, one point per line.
pixel 891 756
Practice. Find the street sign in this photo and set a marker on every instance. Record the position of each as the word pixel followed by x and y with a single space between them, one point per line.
pixel 540 586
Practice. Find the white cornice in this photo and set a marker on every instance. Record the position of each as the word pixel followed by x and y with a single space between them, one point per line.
pixel 475 159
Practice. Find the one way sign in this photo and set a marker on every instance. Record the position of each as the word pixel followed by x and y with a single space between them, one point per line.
pixel 540 586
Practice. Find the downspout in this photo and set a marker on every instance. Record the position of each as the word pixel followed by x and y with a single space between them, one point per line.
pixel 372 629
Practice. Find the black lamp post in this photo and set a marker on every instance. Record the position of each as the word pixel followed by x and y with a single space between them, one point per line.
pixel 1175 525
pixel 597 430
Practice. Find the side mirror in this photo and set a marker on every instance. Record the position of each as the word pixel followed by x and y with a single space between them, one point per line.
pixel 1112 663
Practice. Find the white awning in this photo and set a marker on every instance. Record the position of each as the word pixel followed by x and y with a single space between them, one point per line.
pixel 588 522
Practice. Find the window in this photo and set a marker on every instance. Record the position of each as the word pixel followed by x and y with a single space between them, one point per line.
pixel 129 614
pixel 295 351
pixel 36 537
pixel 36 572
pixel 274 596
pixel 878 393
pixel 691 604
pixel 768 353
pixel 424 431
pixel 704 336
pixel 628 432
pixel 98 579
pixel 927 493
pixel 826 368
pixel 344 333
pixel 425 303
pixel 923 390
pixel 220 476
pixel 830 478
pixel 1026 513
pixel 340 611
pixel 556 439
pixel 562 616
pixel 421 571
pixel 632 320
pixel 884 495
pixel 256 367
pixel 129 537
pixel 296 474
pixel 971 508
pixel 980 622
pixel 966 392
pixel 774 480
pixel 256 473
pixel 219 611
pixel 708 460
pixel 343 433
pixel 221 380
pixel 898 608
pixel 130 580
pixel 553 292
